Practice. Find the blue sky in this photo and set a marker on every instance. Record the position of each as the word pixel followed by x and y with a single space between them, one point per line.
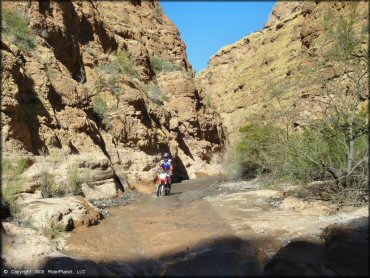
pixel 208 26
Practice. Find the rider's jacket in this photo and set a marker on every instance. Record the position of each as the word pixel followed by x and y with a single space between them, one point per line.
pixel 166 165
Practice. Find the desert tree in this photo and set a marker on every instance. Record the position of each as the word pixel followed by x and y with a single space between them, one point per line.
pixel 342 77
pixel 332 140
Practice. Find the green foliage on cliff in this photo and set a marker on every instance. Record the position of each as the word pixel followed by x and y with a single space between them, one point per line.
pixel 158 65
pixel 100 107
pixel 209 103
pixel 120 64
pixel 347 40
pixel 15 28
pixel 111 74
pixel 155 94
pixel 159 11
pixel 123 64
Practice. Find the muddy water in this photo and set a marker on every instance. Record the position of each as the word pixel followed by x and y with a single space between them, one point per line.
pixel 225 233
pixel 179 234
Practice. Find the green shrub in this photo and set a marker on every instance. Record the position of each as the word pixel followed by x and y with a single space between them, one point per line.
pixel 159 11
pixel 98 83
pixel 266 149
pixel 20 166
pixel 158 65
pixel 12 181
pixel 86 178
pixel 51 73
pixel 6 165
pixel 186 74
pixel 49 189
pixel 52 228
pixel 209 102
pixel 167 66
pixel 123 64
pixel 155 94
pixel 314 154
pixel 58 191
pixel 74 180
pixel 366 29
pixel 10 195
pixel 120 64
pixel 306 149
pixel 260 150
pixel 57 228
pixel 47 184
pixel 113 86
pixel 100 107
pixel 15 27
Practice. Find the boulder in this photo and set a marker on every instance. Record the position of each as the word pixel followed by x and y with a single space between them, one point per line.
pixel 348 246
pixel 298 258
pixel 345 253
pixel 69 212
pixel 24 248
pixel 106 190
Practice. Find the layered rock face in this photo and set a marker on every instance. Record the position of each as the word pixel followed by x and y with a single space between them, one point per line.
pixel 91 53
pixel 239 79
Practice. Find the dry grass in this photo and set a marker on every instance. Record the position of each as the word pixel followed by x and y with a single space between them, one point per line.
pixel 13 181
pixel 15 28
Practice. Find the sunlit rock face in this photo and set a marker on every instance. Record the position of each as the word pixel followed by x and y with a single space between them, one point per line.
pixel 50 92
pixel 242 77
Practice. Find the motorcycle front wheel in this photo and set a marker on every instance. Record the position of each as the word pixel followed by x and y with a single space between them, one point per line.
pixel 158 190
pixel 168 190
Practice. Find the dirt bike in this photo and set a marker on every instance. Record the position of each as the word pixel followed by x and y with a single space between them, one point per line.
pixel 163 188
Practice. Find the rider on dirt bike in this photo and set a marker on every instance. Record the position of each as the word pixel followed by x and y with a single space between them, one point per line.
pixel 166 166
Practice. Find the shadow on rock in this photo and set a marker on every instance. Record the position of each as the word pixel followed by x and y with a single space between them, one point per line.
pixel 180 172
pixel 345 252
pixel 228 256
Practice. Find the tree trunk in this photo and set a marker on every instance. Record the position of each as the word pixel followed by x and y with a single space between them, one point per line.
pixel 352 138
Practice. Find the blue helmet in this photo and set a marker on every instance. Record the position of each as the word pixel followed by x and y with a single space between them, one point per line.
pixel 166 156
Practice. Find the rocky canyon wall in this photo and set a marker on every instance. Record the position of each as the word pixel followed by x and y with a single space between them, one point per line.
pixel 241 78
pixel 84 90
